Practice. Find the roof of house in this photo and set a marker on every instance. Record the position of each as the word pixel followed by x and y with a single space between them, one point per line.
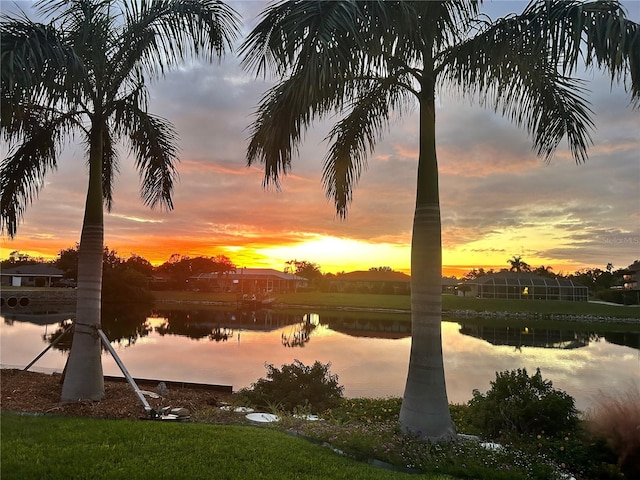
pixel 374 276
pixel 634 267
pixel 522 279
pixel 36 270
pixel 251 274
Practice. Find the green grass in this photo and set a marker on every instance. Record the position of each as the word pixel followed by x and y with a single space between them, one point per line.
pixel 451 302
pixel 403 302
pixel 37 447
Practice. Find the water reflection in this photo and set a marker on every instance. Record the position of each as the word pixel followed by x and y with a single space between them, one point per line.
pixel 298 329
pixel 220 326
pixel 61 336
pixel 369 352
pixel 199 324
pixel 299 334
pixel 520 337
pixel 363 326
pixel 529 337
pixel 126 326
pixel 625 339
pixel 123 325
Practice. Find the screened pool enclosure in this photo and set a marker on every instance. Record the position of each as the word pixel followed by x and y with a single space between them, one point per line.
pixel 525 286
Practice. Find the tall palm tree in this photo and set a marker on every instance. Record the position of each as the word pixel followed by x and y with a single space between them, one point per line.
pixel 518 265
pixel 372 59
pixel 86 73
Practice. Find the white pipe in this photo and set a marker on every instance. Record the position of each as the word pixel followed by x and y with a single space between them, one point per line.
pixel 132 382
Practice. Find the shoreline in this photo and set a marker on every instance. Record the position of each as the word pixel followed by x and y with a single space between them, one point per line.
pixel 466 314
pixel 62 302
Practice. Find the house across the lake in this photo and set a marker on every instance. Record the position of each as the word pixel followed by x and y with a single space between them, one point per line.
pixel 631 286
pixel 524 286
pixel 381 281
pixel 630 276
pixel 248 281
pixel 37 275
pixel 371 281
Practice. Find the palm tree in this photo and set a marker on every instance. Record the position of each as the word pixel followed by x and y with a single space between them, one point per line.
pixel 85 73
pixel 518 265
pixel 375 59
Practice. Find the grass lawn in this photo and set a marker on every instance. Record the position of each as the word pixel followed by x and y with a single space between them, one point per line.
pixel 403 302
pixel 38 447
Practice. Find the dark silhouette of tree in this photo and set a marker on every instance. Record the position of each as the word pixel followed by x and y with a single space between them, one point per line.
pixel 139 264
pixel 474 273
pixel 181 268
pixel 304 268
pixel 518 265
pixel 17 259
pixel 544 271
pixel 381 269
pixel 67 261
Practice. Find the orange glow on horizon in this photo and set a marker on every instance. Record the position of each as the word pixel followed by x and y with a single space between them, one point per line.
pixel 332 254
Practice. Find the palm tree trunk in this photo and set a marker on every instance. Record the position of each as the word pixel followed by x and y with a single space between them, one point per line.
pixel 425 407
pixel 83 374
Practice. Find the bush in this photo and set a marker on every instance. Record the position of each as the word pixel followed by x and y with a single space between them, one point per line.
pixel 518 404
pixel 622 297
pixel 296 386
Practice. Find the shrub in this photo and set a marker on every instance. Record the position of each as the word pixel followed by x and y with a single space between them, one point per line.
pixel 622 297
pixel 296 386
pixel 518 404
pixel 616 419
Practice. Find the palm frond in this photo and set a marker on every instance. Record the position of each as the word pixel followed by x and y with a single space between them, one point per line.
pixel 342 39
pixel 277 130
pixel 355 136
pixel 160 33
pixel 441 23
pixel 153 140
pixel 32 52
pixel 294 32
pixel 593 33
pixel 148 135
pixel 327 53
pixel 109 169
pixel 23 171
pixel 551 107
pixel 523 81
pixel 38 65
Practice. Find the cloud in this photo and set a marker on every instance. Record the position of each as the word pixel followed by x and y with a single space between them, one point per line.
pixel 497 197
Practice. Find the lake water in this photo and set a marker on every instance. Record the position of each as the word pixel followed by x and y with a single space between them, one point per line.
pixel 368 352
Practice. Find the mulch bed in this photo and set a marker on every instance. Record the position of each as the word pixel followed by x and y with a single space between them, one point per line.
pixel 39 393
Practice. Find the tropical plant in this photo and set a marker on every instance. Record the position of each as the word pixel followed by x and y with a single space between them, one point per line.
pixel 181 268
pixel 544 271
pixel 303 268
pixel 518 265
pixel 616 419
pixel 374 59
pixel 85 73
pixel 296 385
pixel 519 404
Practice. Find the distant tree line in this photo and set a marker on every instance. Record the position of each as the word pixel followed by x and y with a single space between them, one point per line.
pixel 136 271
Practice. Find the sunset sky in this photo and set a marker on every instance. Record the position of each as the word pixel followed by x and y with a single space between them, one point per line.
pixel 498 199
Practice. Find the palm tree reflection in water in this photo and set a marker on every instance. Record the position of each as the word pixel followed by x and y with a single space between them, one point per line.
pixel 300 333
